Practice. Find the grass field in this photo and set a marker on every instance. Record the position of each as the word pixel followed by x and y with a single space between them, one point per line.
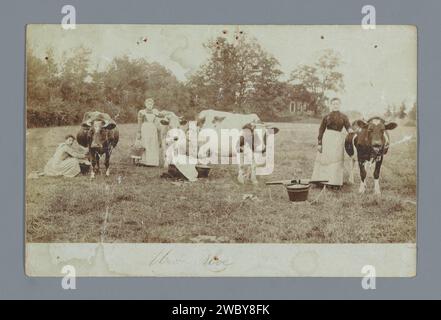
pixel 141 207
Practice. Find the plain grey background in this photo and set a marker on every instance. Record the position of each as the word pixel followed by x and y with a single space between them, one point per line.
pixel 14 15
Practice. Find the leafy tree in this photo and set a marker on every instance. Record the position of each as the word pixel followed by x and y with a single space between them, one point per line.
pixel 127 83
pixel 394 111
pixel 412 114
pixel 388 113
pixel 74 71
pixel 239 76
pixel 36 73
pixel 402 111
pixel 319 78
pixel 60 93
pixel 42 76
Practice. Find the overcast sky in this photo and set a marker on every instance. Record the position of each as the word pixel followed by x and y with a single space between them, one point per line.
pixel 379 65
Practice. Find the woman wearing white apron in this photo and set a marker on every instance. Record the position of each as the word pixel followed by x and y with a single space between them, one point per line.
pixel 148 134
pixel 329 163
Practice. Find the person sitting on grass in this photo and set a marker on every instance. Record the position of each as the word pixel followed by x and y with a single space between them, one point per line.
pixel 66 161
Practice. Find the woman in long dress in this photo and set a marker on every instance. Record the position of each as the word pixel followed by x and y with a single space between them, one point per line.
pixel 148 134
pixel 66 161
pixel 329 163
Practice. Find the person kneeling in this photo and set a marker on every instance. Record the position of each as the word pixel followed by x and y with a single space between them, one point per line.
pixel 66 161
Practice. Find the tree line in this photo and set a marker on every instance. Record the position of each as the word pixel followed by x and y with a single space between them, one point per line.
pixel 401 112
pixel 238 76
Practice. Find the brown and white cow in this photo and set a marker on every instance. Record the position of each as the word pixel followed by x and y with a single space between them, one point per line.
pixel 246 132
pixel 100 135
pixel 368 145
pixel 166 121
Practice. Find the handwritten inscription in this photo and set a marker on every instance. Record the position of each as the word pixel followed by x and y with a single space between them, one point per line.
pixel 165 257
pixel 213 262
pixel 217 263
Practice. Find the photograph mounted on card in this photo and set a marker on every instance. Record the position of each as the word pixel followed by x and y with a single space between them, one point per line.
pixel 210 150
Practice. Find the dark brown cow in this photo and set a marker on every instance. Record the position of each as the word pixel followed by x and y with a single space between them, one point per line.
pixel 100 135
pixel 368 145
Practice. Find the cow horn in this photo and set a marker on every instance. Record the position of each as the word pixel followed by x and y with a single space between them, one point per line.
pixel 362 124
pixel 109 124
pixel 86 124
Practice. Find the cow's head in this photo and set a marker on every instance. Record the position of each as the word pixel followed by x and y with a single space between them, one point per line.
pixel 375 131
pixel 259 132
pixel 211 122
pixel 173 122
pixel 98 133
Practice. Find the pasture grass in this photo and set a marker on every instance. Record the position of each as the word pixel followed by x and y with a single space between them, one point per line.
pixel 135 205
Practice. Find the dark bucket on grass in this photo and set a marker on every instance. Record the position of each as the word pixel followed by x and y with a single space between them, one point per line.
pixel 84 168
pixel 203 171
pixel 298 192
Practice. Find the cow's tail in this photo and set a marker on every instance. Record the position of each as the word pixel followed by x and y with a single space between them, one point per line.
pixel 349 144
pixel 114 137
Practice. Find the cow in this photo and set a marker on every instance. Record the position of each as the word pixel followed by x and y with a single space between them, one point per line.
pixel 100 135
pixel 221 120
pixel 368 145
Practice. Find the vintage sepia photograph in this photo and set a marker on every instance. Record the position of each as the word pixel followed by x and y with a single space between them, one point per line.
pixel 208 144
